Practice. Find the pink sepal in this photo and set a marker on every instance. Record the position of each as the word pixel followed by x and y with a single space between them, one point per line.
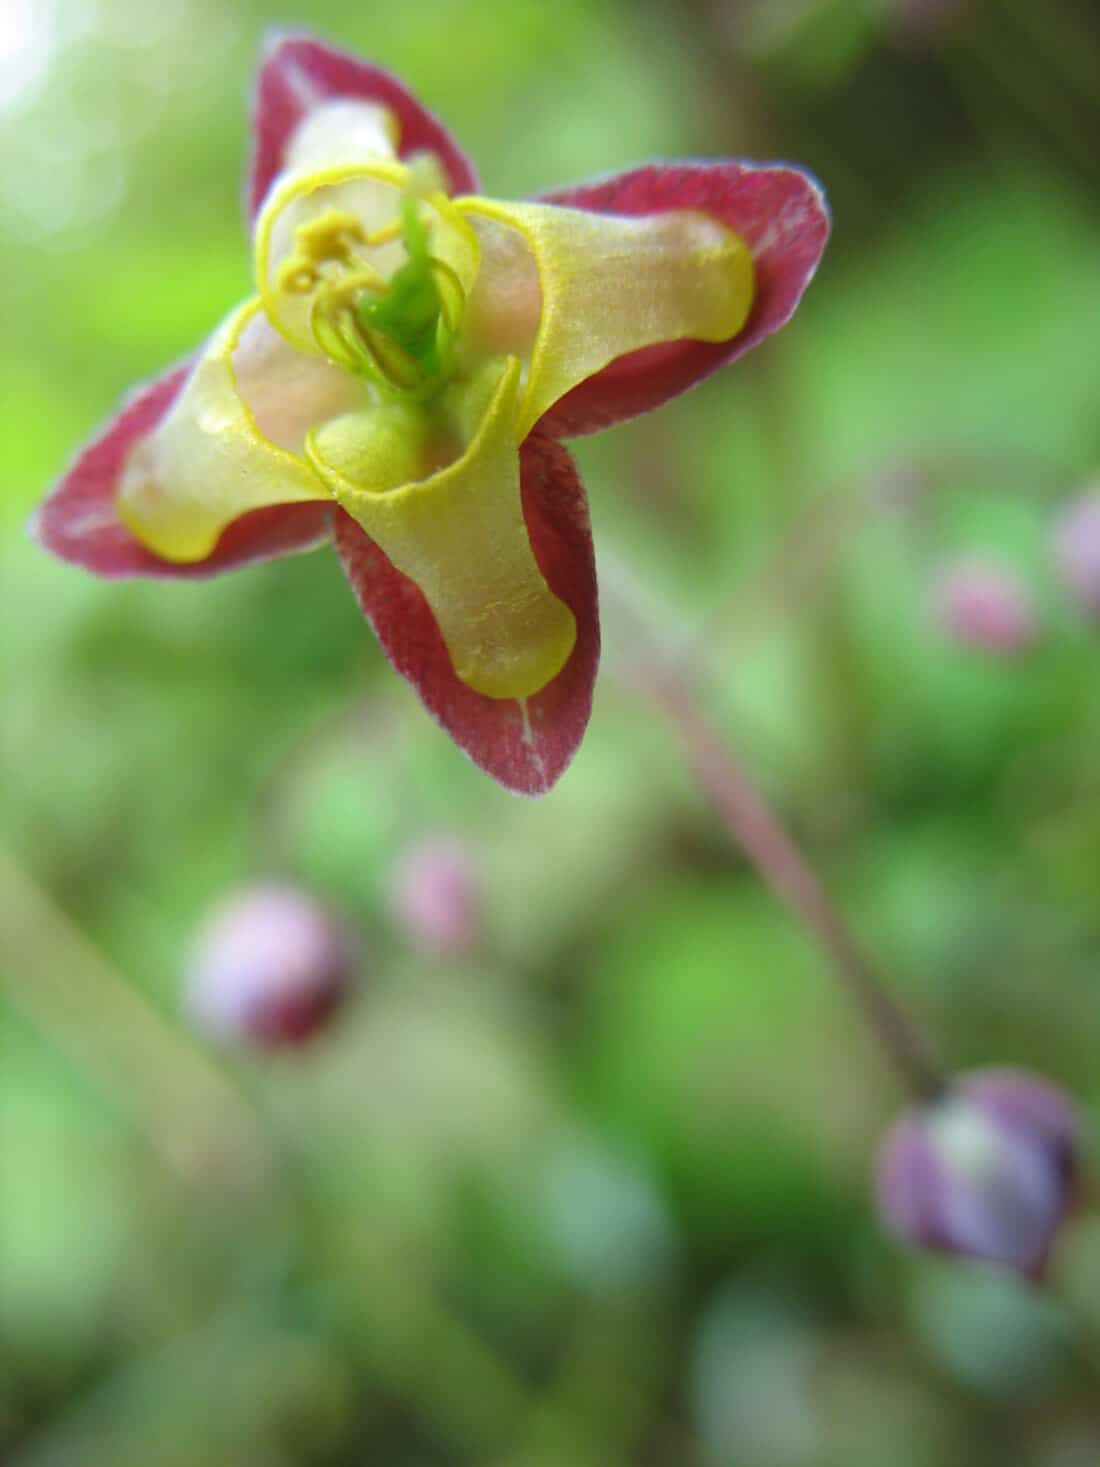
pixel 78 522
pixel 527 745
pixel 299 72
pixel 781 214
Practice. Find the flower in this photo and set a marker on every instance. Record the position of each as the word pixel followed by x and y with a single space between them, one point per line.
pixel 982 605
pixel 986 1171
pixel 1075 546
pixel 270 965
pixel 402 379
pixel 436 896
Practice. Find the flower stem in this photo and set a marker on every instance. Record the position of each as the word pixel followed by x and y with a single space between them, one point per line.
pixel 755 826
pixel 159 1082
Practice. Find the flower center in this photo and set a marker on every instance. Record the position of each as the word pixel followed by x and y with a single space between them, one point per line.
pixel 398 331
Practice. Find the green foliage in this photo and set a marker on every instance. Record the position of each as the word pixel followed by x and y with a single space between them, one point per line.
pixel 598 1192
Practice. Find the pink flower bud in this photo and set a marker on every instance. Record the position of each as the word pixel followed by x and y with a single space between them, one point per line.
pixel 986 1171
pixel 269 965
pixel 1075 545
pixel 983 605
pixel 436 897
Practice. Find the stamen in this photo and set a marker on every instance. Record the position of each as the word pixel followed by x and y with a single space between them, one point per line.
pixel 399 331
pixel 452 298
pixel 398 368
pixel 387 234
pixel 334 320
pixel 297 279
pixel 330 239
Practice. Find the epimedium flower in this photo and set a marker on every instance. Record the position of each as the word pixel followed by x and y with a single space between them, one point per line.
pixel 403 376
pixel 985 606
pixel 436 896
pixel 986 1171
pixel 1075 548
pixel 270 966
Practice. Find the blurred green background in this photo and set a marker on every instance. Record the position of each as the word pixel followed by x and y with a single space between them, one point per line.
pixel 597 1195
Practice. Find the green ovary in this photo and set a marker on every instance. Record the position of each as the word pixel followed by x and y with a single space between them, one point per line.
pixel 400 331
pixel 410 315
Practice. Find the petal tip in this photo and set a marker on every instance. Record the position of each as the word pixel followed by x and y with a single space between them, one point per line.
pixel 276 36
pixel 298 71
pixel 77 521
pixel 778 209
pixel 525 745
pixel 32 527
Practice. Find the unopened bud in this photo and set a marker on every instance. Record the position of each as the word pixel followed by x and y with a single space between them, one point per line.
pixel 985 606
pixel 986 1171
pixel 1075 545
pixel 436 897
pixel 269 965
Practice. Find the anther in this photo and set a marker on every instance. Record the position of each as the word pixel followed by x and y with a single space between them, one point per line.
pixel 330 239
pixel 398 330
pixel 449 293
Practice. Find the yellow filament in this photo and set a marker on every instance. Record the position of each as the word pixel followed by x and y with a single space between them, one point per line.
pixel 330 239
pixel 452 298
pixel 334 321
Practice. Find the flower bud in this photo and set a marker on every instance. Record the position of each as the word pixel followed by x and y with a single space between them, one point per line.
pixel 985 606
pixel 269 965
pixel 436 897
pixel 1075 546
pixel 986 1171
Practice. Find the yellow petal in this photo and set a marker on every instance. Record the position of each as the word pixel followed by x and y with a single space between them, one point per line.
pixel 228 444
pixel 608 285
pixel 438 488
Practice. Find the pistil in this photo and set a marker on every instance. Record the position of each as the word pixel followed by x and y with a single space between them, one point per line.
pixel 397 331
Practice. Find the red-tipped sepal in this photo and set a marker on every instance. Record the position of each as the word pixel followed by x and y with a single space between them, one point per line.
pixel 781 214
pixel 78 520
pixel 299 73
pixel 524 744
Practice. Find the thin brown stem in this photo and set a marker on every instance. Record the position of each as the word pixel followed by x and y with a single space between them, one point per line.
pixel 757 829
pixel 111 1033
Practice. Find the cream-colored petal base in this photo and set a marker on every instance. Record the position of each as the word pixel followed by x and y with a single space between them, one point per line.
pixel 225 446
pixel 608 284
